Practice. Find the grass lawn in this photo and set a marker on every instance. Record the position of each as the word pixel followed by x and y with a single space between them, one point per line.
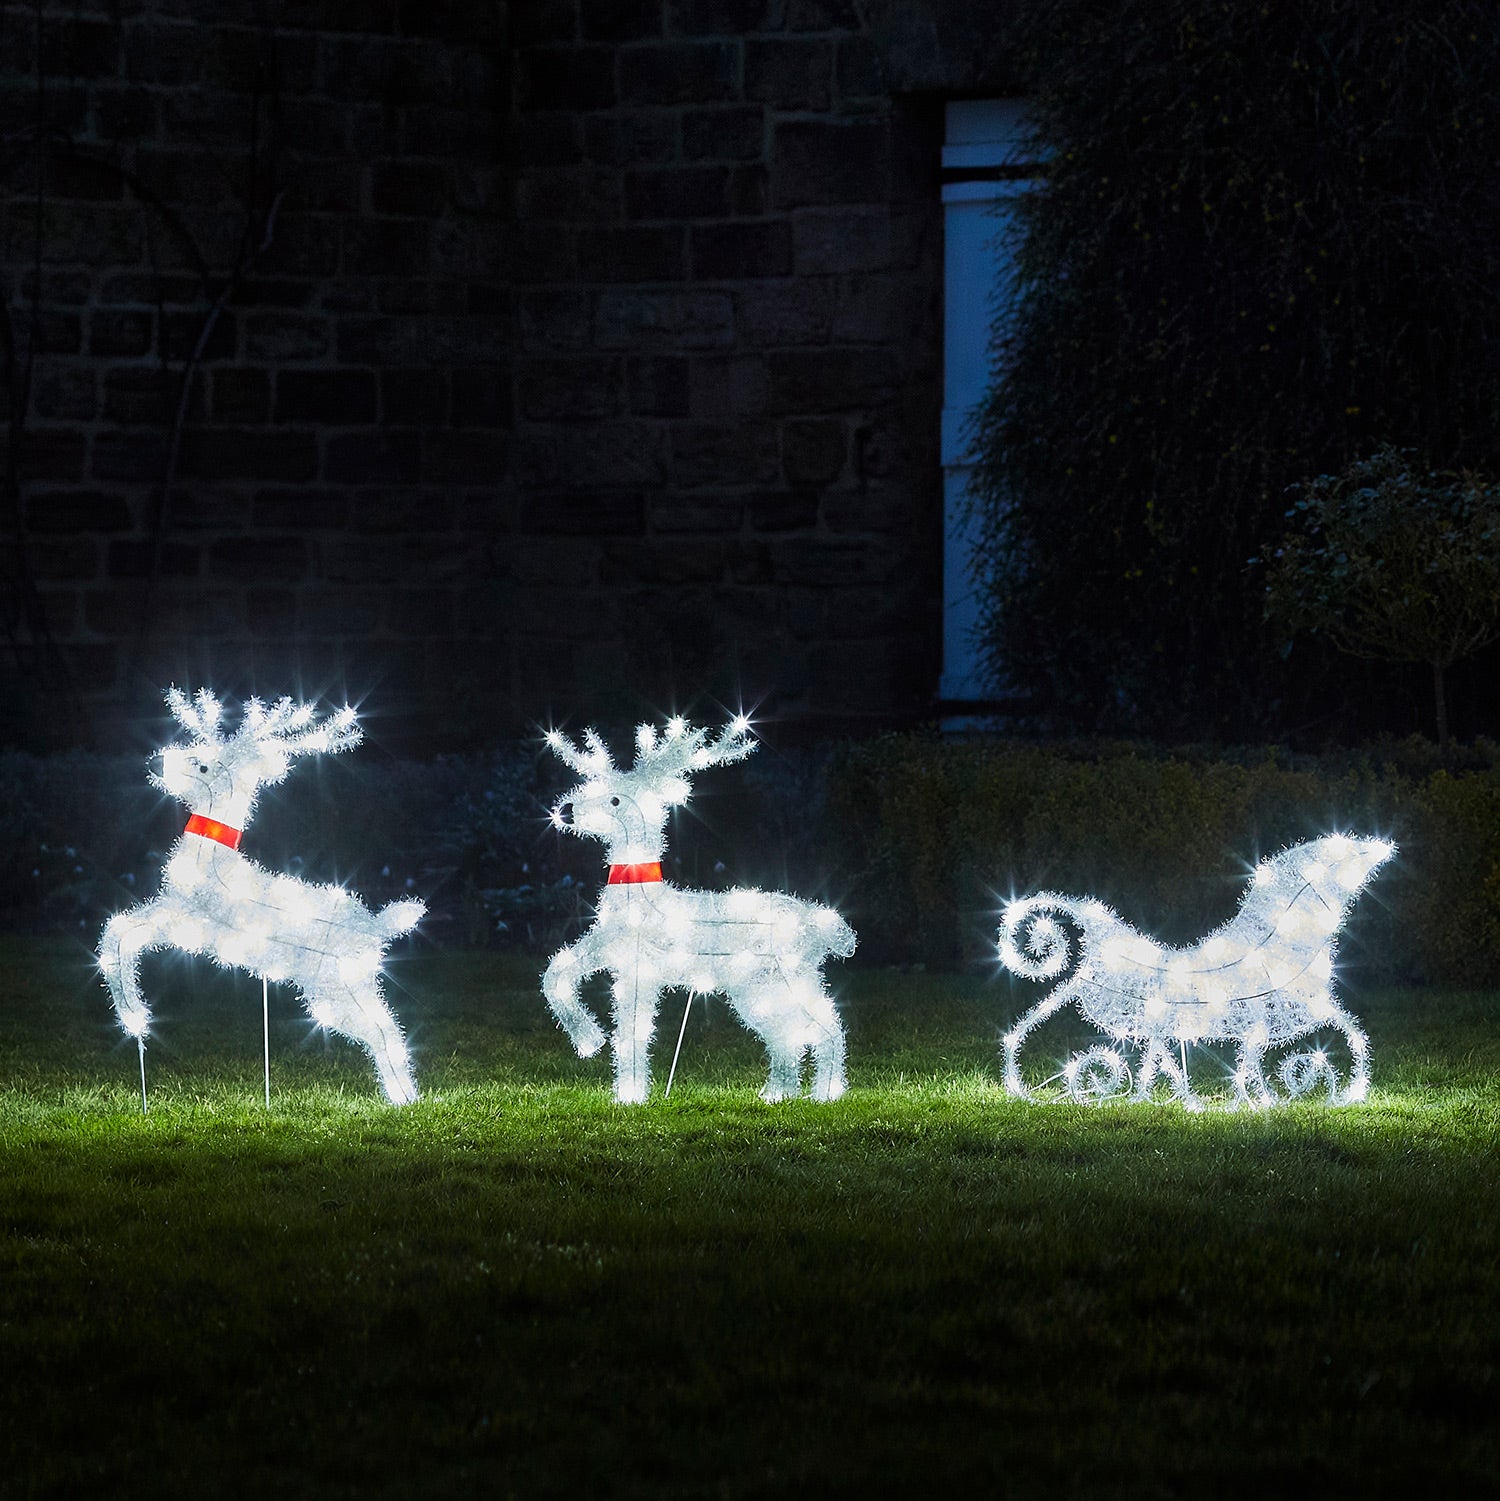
pixel 517 1287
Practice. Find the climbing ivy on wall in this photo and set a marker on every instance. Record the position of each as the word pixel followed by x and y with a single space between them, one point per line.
pixel 1267 240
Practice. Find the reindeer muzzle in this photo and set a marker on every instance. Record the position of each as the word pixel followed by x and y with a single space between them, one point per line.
pixel 562 814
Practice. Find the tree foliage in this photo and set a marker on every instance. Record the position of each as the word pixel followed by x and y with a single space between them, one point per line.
pixel 1393 563
pixel 1267 239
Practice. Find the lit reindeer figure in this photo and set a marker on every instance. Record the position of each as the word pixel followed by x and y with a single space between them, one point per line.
pixel 1262 980
pixel 764 951
pixel 214 900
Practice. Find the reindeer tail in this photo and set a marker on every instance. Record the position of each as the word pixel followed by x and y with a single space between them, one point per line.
pixel 401 917
pixel 840 938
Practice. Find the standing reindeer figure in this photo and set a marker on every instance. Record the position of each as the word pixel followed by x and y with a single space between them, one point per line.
pixel 214 900
pixel 764 951
pixel 1262 980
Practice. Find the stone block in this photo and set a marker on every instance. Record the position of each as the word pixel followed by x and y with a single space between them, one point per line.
pixel 826 562
pixel 729 386
pixel 145 394
pixel 583 515
pixel 247 454
pixel 64 560
pixel 713 17
pixel 419 341
pixel 633 253
pixel 797 312
pixel 830 380
pixel 677 193
pixel 331 397
pixel 479 457
pixel 374 457
pixel 92 511
pixel 724 453
pixel 749 191
pixel 299 510
pixel 813 451
pixel 253 559
pixel 631 138
pixel 789 74
pixel 729 133
pixel 121 333
pixel 402 510
pixel 859 71
pixel 394 73
pixel 64 393
pixel 74 47
pixel 658 386
pixel 272 613
pixel 240 395
pixel 828 162
pixel 123 456
pixel 708 512
pixel 841 242
pixel 679 72
pixel 132 559
pixel 823 15
pixel 387 247
pixel 281 338
pixel 547 138
pixel 663 321
pixel 555 320
pixel 482 397
pixel 540 22
pixel 570 78
pixel 303 245
pixel 784 511
pixel 574 389
pixel 411 188
pixel 582 194
pixel 619 20
pixel 741 250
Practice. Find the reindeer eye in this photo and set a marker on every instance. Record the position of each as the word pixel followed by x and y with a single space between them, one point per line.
pixel 202 766
pixel 614 802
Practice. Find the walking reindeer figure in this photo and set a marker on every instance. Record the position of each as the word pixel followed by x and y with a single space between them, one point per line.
pixel 214 900
pixel 1262 980
pixel 763 950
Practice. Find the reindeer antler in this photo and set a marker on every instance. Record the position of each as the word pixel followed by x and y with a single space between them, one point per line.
pixel 584 762
pixel 293 730
pixel 681 747
pixel 199 716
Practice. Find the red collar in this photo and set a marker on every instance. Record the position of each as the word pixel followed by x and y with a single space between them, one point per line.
pixel 209 828
pixel 634 875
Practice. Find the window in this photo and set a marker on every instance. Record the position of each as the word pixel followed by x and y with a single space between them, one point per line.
pixel 986 167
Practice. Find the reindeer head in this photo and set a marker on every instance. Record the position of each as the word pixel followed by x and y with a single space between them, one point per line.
pixel 628 809
pixel 218 775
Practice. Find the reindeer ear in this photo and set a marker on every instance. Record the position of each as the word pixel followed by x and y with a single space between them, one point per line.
pixel 674 792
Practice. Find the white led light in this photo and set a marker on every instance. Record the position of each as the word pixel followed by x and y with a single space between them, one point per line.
pixel 763 951
pixel 321 938
pixel 1261 981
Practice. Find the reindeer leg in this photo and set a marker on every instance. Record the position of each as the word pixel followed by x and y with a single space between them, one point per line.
pixel 127 936
pixel 361 1014
pixel 828 1061
pixel 635 1001
pixel 569 968
pixel 1151 1065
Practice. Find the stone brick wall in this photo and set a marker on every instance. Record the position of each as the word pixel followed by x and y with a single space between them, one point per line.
pixel 590 360
pixel 727 356
pixel 338 481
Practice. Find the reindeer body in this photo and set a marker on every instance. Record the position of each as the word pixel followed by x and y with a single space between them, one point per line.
pixel 763 951
pixel 1261 981
pixel 214 900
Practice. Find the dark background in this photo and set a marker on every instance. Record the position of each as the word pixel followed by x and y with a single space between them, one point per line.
pixel 473 362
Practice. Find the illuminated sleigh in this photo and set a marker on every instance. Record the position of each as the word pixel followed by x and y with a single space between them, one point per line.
pixel 1261 981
